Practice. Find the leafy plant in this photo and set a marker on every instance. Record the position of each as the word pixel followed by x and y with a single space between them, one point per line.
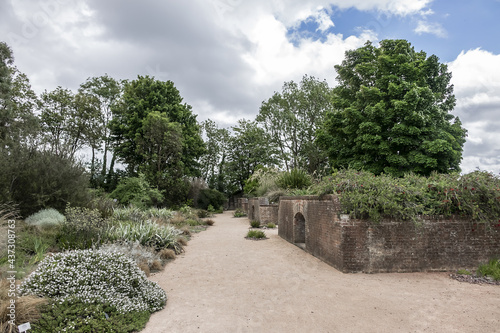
pixel 256 234
pixel 45 217
pixel 294 179
pixel 147 233
pixel 491 269
pixel 255 224
pixel 136 191
pixel 271 225
pixel 210 197
pixel 95 277
pixel 82 229
pixel 239 213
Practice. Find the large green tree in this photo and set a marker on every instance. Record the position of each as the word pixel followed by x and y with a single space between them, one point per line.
pixel 141 97
pixel 213 162
pixel 391 113
pixel 292 118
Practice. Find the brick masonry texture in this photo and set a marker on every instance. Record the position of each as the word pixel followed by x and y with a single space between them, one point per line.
pixel 434 244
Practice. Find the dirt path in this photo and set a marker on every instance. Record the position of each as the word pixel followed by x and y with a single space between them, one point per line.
pixel 225 283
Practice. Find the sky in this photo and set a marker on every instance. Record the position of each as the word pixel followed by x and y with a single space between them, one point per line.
pixel 227 56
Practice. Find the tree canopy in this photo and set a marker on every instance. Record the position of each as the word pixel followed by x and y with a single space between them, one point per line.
pixel 391 113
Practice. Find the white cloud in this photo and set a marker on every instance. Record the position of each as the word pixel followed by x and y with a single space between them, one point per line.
pixel 477 89
pixel 430 28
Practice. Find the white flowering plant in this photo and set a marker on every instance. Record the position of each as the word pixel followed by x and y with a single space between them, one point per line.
pixel 95 277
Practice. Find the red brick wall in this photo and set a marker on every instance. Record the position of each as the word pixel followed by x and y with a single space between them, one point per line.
pixel 390 246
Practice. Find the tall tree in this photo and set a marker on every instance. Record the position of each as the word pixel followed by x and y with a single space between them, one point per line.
pixel 141 97
pixel 213 161
pixel 292 117
pixel 392 113
pixel 107 90
pixel 250 147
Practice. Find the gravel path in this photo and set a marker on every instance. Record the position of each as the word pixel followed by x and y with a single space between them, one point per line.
pixel 225 283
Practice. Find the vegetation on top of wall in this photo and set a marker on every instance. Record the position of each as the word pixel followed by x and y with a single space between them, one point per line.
pixel 364 195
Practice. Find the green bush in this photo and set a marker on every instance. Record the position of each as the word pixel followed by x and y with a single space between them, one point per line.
pixel 239 213
pixel 211 197
pixel 491 269
pixel 271 225
pixel 102 202
pixel 256 234
pixel 76 316
pixel 255 224
pixel 40 179
pixel 95 277
pixel 46 217
pixel 83 228
pixel 294 179
pixel 136 191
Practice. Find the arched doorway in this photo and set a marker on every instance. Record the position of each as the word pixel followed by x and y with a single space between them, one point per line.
pixel 299 229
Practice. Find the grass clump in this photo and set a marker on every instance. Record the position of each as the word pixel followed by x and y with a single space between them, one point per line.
pixel 464 272
pixel 95 277
pixel 210 222
pixel 239 213
pixel 256 234
pixel 255 224
pixel 147 233
pixel 271 225
pixel 46 218
pixel 490 269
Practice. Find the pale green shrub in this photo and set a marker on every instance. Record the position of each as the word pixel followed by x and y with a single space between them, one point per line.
pixel 46 217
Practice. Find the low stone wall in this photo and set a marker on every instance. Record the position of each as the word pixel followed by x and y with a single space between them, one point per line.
pixel 254 204
pixel 268 214
pixel 389 246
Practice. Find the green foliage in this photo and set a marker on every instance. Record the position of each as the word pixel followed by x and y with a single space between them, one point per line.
pixel 136 191
pixel 464 272
pixel 491 269
pixel 45 217
pixel 210 197
pixel 261 182
pixel 248 150
pixel 102 202
pixel 391 113
pixel 83 228
pixel 292 118
pixel 95 277
pixel 255 224
pixel 147 233
pixel 256 234
pixel 82 317
pixel 239 213
pixel 294 179
pixel 40 179
pixel 271 225
pixel 364 195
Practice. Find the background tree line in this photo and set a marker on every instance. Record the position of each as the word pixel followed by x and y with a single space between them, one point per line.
pixel 390 113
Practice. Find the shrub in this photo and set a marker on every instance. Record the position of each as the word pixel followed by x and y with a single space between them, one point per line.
pixel 255 224
pixel 294 179
pixel 46 217
pixel 239 213
pixel 76 316
pixel 147 233
pixel 82 229
pixel 256 234
pixel 41 179
pixel 209 222
pixel 211 197
pixel 182 241
pixel 130 213
pixel 136 191
pixel 135 251
pixel 271 225
pixel 103 203
pixel 203 213
pixel 95 277
pixel 167 254
pixel 491 269
pixel 463 272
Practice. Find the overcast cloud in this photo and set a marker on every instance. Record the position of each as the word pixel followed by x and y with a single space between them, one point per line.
pixel 227 56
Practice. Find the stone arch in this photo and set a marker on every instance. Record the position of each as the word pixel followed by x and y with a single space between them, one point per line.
pixel 299 228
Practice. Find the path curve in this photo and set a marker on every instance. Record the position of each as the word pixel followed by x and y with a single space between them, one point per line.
pixel 225 283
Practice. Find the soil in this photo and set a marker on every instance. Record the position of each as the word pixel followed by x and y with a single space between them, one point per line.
pixel 226 283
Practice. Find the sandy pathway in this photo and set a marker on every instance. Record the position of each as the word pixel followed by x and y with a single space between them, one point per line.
pixel 225 283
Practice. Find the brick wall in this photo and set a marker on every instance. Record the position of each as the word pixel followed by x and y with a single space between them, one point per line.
pixel 268 214
pixel 389 246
